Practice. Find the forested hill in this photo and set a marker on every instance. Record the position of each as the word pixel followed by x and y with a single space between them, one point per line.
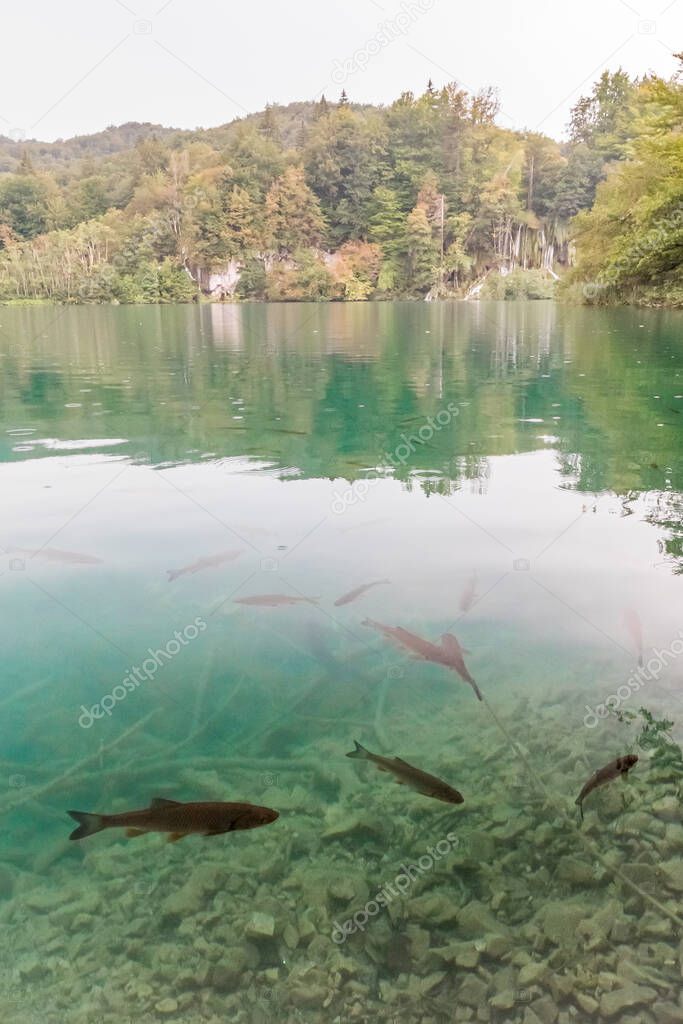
pixel 425 197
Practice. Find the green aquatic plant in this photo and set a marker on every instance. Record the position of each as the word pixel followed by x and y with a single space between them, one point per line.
pixel 655 736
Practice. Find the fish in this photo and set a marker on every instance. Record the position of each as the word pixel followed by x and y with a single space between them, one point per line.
pixel 55 555
pixel 177 819
pixel 469 594
pixel 454 654
pixel 448 652
pixel 635 629
pixel 621 766
pixel 408 775
pixel 274 600
pixel 210 562
pixel 354 594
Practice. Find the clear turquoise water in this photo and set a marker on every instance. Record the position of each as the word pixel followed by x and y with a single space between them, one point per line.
pixel 527 454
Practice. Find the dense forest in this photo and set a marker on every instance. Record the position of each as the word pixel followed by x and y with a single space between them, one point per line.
pixel 425 198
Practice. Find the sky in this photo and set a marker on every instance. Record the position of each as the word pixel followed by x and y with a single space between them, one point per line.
pixel 75 67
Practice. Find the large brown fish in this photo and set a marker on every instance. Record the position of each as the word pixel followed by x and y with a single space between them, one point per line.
pixel 613 770
pixel 274 600
pixel 448 653
pixel 407 775
pixel 354 594
pixel 210 562
pixel 178 819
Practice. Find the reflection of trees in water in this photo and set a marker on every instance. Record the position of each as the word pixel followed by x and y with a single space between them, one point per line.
pixel 667 514
pixel 323 389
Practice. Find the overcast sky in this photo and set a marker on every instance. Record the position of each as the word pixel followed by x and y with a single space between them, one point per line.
pixel 76 66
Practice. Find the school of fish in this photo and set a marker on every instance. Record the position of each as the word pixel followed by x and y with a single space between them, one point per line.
pixel 211 818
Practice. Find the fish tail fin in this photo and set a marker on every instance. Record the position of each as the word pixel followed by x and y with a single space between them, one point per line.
pixel 172 575
pixel 88 824
pixel 480 695
pixel 579 804
pixel 359 751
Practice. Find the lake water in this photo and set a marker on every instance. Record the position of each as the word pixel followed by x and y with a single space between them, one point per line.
pixel 508 473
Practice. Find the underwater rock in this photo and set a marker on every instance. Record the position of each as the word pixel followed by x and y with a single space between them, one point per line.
pixel 426 985
pixel 504 1000
pixel 340 823
pixel 667 1013
pixel 672 841
pixel 576 872
pixel 167 1005
pixel 228 976
pixel 654 926
pixel 558 921
pixel 667 808
pixel 532 974
pixel 545 1010
pixel 462 954
pixel 418 940
pixel 475 920
pixel 625 998
pixel 291 936
pixel 595 929
pixel 435 908
pixel 184 902
pixel 260 926
pixel 307 995
pixel 586 1002
pixel 45 901
pixel 673 875
pixel 473 991
pixel 305 927
pixel 498 946
pixel 31 969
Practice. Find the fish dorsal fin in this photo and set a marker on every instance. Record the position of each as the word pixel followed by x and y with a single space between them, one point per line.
pixel 399 760
pixel 160 801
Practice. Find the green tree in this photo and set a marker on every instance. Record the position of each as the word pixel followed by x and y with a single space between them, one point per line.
pixel 293 216
pixel 422 253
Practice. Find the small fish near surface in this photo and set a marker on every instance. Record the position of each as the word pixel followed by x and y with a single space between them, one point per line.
pixel 176 819
pixel 55 555
pixel 274 600
pixel 210 562
pixel 620 767
pixel 408 775
pixel 357 592
pixel 448 652
pixel 469 594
